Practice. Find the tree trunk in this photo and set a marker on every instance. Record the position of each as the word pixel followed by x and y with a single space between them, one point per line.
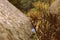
pixel 14 25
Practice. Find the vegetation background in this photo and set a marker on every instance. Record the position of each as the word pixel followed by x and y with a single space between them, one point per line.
pixel 41 19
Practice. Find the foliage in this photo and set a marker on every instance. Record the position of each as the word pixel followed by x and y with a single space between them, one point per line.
pixel 42 20
pixel 41 5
